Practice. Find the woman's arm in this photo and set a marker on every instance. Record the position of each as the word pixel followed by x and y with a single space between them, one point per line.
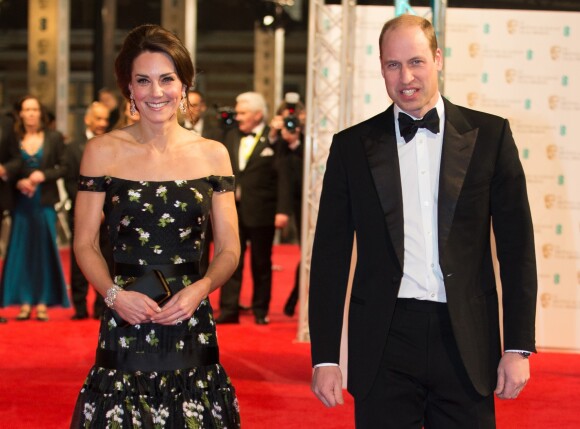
pixel 133 307
pixel 224 219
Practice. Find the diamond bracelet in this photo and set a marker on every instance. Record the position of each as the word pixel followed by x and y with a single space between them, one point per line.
pixel 112 295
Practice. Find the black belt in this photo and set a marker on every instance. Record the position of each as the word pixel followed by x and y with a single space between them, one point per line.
pixel 148 362
pixel 422 306
pixel 168 270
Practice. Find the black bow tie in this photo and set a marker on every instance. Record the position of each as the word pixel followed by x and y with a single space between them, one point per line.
pixel 409 126
pixel 248 134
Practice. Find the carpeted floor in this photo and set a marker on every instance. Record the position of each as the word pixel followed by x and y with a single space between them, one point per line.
pixel 43 365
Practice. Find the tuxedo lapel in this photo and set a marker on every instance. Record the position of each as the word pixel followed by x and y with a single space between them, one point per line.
pixel 381 149
pixel 458 144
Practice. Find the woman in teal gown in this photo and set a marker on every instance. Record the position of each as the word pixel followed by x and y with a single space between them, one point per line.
pixel 33 274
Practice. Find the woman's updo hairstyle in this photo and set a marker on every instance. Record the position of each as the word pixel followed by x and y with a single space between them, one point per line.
pixel 152 38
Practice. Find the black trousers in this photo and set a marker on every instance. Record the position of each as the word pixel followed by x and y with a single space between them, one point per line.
pixel 261 240
pixel 78 283
pixel 422 381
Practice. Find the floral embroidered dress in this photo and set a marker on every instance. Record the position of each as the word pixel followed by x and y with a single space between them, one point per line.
pixel 157 223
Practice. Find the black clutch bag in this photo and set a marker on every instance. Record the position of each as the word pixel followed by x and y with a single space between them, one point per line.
pixel 152 284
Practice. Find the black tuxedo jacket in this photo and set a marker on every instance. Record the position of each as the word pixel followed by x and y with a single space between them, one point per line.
pixel 73 156
pixel 260 191
pixel 481 180
pixel 11 160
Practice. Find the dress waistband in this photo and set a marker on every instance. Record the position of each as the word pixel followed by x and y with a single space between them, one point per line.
pixel 148 362
pixel 168 270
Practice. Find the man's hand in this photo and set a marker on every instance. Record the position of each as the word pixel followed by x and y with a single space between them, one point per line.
pixel 281 220
pixel 513 373
pixel 327 385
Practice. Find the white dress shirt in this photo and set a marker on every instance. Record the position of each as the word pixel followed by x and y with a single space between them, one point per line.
pixel 419 162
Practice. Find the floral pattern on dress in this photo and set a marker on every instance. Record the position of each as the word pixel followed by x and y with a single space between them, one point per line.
pixel 156 223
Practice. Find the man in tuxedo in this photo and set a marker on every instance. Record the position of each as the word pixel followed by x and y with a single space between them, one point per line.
pixel 10 162
pixel 96 123
pixel 262 202
pixel 424 339
pixel 196 120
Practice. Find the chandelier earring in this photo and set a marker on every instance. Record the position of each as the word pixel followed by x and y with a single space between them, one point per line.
pixel 132 107
pixel 182 103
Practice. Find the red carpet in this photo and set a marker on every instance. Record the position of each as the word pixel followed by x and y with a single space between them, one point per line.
pixel 43 366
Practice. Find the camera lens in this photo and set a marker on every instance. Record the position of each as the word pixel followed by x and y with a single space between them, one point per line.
pixel 290 123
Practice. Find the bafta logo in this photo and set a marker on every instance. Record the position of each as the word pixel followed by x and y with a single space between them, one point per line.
pixel 472 99
pixel 555 52
pixel 551 151
pixel 545 299
pixel 510 75
pixel 512 26
pixel 553 102
pixel 473 50
pixel 549 200
pixel 548 250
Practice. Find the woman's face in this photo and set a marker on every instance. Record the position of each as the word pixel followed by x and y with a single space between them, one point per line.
pixel 30 113
pixel 156 87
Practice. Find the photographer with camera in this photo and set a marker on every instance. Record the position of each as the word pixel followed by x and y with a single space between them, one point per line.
pixel 287 136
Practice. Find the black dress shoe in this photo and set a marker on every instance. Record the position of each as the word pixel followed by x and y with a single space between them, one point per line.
pixel 79 317
pixel 223 319
pixel 262 320
pixel 3 320
pixel 289 310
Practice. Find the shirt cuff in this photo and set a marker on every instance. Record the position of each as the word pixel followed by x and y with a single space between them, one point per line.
pixel 325 364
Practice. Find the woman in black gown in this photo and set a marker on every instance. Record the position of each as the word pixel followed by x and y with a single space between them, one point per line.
pixel 158 184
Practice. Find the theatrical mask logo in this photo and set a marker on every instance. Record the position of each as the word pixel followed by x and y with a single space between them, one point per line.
pixel 545 299
pixel 553 102
pixel 555 52
pixel 472 99
pixel 512 26
pixel 551 151
pixel 510 75
pixel 548 250
pixel 549 200
pixel 473 49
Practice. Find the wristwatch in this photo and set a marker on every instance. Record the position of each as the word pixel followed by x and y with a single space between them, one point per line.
pixel 525 355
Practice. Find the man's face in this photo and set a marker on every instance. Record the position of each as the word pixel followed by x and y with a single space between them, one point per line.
pixel 409 69
pixel 97 120
pixel 197 106
pixel 247 119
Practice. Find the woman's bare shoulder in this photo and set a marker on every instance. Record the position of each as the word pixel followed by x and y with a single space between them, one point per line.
pixel 218 155
pixel 101 152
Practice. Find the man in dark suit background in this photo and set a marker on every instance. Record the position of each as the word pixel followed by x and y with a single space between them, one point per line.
pixel 96 123
pixel 424 339
pixel 196 119
pixel 10 162
pixel 263 205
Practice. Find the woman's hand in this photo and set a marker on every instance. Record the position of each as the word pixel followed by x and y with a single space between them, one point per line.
pixel 183 304
pixel 135 307
pixel 37 177
pixel 26 186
